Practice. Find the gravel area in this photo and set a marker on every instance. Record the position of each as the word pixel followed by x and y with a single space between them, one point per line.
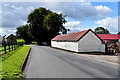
pixel 104 58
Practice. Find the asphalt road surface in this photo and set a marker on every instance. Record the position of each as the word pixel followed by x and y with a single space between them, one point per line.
pixel 47 62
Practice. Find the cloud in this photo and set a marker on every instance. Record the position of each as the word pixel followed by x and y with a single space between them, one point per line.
pixel 110 23
pixel 15 14
pixel 103 10
pixel 5 31
pixel 72 24
pixel 1 30
pixel 42 0
pixel 59 0
pixel 81 10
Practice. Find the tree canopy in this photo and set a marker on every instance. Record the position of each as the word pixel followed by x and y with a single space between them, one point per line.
pixel 24 32
pixel 43 25
pixel 101 30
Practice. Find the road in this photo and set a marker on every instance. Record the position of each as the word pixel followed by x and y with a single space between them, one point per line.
pixel 47 62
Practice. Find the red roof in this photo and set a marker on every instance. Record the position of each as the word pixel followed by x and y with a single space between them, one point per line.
pixel 109 36
pixel 71 37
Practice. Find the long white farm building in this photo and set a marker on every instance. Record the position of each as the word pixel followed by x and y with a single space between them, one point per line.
pixel 84 41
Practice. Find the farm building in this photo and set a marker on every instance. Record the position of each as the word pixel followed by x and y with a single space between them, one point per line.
pixel 1 38
pixel 112 43
pixel 10 38
pixel 84 41
pixel 109 37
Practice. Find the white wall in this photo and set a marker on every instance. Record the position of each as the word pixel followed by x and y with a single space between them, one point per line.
pixel 91 43
pixel 102 48
pixel 72 46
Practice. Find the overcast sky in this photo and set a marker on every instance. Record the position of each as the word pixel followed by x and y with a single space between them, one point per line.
pixel 80 15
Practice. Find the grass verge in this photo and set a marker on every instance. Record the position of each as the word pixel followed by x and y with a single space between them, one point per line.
pixel 11 65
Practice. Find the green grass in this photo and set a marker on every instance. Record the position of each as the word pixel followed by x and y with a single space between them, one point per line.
pixel 20 40
pixel 11 62
pixel 1 48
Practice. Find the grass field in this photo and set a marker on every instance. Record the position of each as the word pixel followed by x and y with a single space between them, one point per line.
pixel 1 48
pixel 20 40
pixel 11 62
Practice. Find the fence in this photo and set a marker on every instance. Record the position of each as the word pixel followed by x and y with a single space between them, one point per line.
pixel 7 47
pixel 113 48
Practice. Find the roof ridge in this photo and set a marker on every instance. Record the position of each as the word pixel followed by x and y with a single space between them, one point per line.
pixel 72 36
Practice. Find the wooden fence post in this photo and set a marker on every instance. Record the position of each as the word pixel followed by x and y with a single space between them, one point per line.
pixel 9 46
pixel 12 46
pixel 22 43
pixel 5 47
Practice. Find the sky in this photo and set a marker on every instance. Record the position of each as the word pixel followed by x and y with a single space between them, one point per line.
pixel 81 15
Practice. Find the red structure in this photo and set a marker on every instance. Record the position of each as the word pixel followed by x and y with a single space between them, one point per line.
pixel 109 37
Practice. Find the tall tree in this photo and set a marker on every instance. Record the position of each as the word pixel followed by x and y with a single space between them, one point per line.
pixel 53 23
pixel 101 30
pixel 35 19
pixel 45 24
pixel 25 33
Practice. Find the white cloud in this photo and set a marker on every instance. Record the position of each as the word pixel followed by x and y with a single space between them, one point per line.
pixel 103 10
pixel 6 5
pixel 0 11
pixel 5 31
pixel 59 0
pixel 72 24
pixel 80 10
pixel 1 31
pixel 42 0
pixel 15 14
pixel 110 23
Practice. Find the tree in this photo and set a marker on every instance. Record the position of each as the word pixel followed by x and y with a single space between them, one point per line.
pixel 45 24
pixel 35 20
pixel 53 23
pixel 118 33
pixel 101 30
pixel 25 33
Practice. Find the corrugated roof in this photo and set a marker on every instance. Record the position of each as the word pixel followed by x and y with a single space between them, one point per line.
pixel 71 37
pixel 109 36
